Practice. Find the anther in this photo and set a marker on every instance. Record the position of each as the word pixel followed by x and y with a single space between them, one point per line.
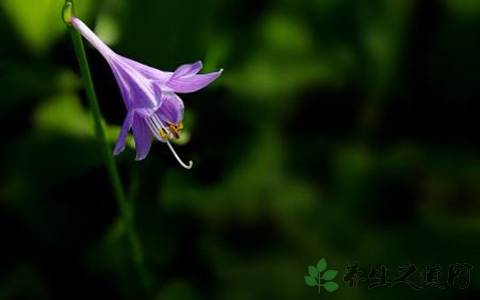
pixel 175 128
pixel 165 136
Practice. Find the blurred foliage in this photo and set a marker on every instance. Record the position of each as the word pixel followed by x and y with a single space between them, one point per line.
pixel 36 21
pixel 339 129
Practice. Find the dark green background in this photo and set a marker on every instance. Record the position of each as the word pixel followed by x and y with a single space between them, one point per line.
pixel 340 129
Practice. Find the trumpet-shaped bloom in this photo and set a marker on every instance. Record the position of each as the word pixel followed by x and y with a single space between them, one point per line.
pixel 150 96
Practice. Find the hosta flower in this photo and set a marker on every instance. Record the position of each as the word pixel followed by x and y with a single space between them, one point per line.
pixel 150 96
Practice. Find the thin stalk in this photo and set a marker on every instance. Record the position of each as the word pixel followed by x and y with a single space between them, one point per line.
pixel 124 206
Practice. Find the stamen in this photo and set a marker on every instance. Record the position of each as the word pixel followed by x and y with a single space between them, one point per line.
pixel 173 129
pixel 165 136
pixel 190 163
pixel 153 128
pixel 159 130
pixel 180 126
pixel 157 122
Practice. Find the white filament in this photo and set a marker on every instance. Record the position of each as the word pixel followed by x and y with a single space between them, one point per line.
pixel 155 126
pixel 157 122
pixel 153 129
pixel 190 163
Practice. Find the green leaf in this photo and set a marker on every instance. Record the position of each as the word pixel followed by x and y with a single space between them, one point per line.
pixel 39 22
pixel 63 114
pixel 329 275
pixel 313 271
pixel 311 281
pixel 330 286
pixel 321 265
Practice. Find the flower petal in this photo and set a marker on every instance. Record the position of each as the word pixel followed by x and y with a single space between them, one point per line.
pixel 142 136
pixel 148 93
pixel 127 124
pixel 149 72
pixel 137 90
pixel 171 109
pixel 92 38
pixel 123 85
pixel 187 70
pixel 190 84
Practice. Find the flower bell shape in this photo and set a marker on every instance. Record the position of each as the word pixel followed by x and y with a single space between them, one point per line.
pixel 150 96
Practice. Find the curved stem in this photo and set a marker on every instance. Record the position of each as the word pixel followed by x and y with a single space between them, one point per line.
pixel 124 207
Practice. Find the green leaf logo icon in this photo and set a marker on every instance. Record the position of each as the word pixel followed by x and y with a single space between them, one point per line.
pixel 313 271
pixel 329 275
pixel 330 286
pixel 321 265
pixel 316 277
pixel 311 281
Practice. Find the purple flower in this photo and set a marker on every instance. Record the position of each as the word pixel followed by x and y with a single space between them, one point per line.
pixel 153 107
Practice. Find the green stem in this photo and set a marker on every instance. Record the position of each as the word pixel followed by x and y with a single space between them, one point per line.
pixel 125 209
